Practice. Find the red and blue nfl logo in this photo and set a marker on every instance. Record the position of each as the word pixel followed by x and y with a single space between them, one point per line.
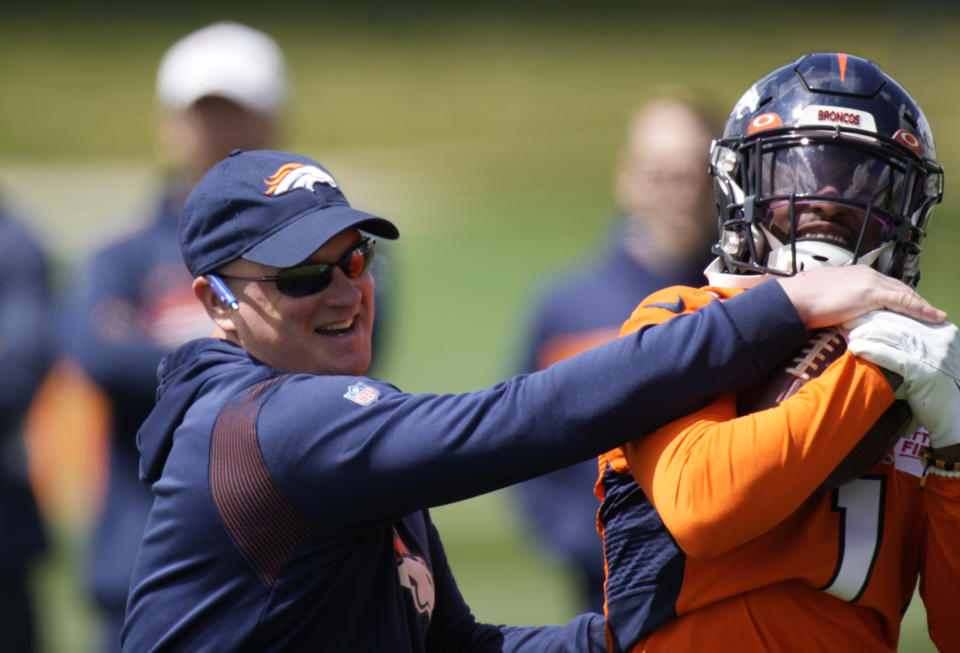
pixel 361 393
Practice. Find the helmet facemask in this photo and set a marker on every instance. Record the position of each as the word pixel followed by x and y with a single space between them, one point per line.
pixel 796 199
pixel 824 161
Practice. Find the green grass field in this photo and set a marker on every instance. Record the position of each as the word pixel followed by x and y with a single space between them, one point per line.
pixel 488 135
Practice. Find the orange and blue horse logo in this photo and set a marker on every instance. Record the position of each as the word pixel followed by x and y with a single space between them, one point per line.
pixel 416 576
pixel 291 176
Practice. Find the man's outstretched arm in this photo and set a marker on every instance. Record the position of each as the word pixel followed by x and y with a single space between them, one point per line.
pixel 830 295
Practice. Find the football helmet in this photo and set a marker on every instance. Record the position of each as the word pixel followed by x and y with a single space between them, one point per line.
pixel 825 161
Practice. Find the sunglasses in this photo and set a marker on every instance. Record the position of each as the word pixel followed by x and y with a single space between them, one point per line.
pixel 312 278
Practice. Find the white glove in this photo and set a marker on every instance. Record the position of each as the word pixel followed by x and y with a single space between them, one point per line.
pixel 927 356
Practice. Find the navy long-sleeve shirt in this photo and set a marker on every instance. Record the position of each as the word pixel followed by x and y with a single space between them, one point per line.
pixel 133 304
pixel 24 358
pixel 290 509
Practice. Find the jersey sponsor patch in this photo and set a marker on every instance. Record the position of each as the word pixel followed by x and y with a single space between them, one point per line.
pixel 361 393
pixel 907 452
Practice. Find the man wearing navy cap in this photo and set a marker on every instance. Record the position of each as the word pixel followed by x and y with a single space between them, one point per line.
pixel 291 492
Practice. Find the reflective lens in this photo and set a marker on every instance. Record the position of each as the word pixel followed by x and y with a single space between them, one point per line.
pixel 304 280
pixel 828 169
pixel 308 279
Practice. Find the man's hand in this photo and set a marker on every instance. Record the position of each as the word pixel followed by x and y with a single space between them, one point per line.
pixel 831 295
pixel 927 356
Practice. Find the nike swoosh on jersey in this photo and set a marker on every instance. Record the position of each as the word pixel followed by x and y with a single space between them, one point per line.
pixel 675 307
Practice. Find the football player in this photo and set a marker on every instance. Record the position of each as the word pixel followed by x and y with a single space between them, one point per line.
pixel 717 525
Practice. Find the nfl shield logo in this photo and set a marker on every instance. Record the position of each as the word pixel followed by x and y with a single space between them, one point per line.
pixel 361 393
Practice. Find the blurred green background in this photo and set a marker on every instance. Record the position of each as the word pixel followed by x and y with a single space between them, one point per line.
pixel 486 131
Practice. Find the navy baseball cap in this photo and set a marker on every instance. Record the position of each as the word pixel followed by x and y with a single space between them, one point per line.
pixel 274 208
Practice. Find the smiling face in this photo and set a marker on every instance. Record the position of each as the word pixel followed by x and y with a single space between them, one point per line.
pixel 328 332
pixel 821 219
pixel 833 184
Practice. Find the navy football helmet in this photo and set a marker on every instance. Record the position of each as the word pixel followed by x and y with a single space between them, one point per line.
pixel 825 161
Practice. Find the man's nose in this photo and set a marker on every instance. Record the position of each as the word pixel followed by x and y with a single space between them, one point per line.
pixel 825 207
pixel 342 289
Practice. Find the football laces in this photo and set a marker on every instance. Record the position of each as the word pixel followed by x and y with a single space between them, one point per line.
pixel 807 363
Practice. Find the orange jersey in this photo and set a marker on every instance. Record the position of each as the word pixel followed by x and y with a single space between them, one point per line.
pixel 714 530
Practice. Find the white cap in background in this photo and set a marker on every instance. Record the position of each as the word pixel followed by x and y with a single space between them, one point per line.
pixel 228 60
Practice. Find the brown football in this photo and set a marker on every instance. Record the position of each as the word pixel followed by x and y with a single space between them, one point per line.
pixel 808 362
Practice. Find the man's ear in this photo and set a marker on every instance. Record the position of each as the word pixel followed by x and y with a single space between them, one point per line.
pixel 220 313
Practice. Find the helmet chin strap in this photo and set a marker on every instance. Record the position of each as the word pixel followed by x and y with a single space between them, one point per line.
pixel 812 254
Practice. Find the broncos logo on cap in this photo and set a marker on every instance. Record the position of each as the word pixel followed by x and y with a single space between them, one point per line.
pixel 291 176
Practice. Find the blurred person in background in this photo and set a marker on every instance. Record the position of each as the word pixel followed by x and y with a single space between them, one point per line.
pixel 663 230
pixel 24 354
pixel 219 88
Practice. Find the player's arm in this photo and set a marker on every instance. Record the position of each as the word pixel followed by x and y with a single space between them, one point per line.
pixel 928 358
pixel 718 480
pixel 833 294
pixel 940 562
pixel 399 452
